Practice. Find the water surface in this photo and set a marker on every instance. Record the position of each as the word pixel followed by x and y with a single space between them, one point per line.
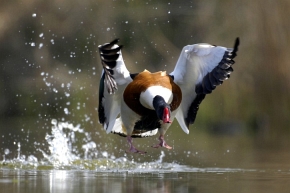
pixel 205 164
pixel 193 180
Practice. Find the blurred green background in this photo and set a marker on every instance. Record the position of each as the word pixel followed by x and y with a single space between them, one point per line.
pixel 50 66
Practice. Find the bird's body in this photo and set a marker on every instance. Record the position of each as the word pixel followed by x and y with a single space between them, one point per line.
pixel 139 105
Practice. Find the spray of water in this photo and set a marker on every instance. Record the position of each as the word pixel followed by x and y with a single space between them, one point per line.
pixel 61 143
pixel 63 154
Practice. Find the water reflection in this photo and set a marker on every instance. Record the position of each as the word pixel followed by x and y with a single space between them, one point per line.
pixel 55 181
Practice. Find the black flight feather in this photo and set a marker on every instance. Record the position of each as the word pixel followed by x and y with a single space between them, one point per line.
pixel 214 78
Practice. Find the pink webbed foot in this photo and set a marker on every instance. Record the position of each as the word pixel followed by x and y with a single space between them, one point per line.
pixel 162 143
pixel 132 148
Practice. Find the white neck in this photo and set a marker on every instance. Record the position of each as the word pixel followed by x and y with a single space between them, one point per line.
pixel 146 97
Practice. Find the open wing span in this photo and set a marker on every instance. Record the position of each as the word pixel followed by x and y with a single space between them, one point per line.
pixel 199 69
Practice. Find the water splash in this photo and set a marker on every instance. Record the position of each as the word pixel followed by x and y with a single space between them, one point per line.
pixel 63 154
pixel 61 143
pixel 6 152
pixel 18 150
pixel 87 147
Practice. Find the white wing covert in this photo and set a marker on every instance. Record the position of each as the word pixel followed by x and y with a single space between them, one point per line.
pixel 199 69
pixel 115 77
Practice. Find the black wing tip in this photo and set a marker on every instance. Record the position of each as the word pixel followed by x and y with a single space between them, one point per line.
pixel 107 46
pixel 236 45
pixel 110 54
pixel 115 41
pixel 237 41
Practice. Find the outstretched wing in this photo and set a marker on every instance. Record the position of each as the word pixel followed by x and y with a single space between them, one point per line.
pixel 115 77
pixel 199 69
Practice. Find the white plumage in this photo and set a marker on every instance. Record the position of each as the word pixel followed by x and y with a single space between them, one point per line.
pixel 146 97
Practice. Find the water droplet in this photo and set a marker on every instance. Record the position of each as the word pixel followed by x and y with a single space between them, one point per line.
pixel 41 35
pixel 105 154
pixel 54 121
pixel 66 111
pixel 32 159
pixel 32 44
pixel 108 29
pixel 168 12
pixel 6 151
pixel 40 45
pixel 34 15
pixel 126 22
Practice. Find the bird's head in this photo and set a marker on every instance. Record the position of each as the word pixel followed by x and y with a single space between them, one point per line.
pixel 162 109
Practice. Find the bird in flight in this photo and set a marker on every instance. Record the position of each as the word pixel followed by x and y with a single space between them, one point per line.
pixel 136 105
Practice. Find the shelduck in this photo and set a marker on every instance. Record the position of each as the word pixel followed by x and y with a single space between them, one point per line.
pixel 141 104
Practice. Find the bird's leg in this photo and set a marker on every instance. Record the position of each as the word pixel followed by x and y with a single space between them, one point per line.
pixel 162 143
pixel 132 148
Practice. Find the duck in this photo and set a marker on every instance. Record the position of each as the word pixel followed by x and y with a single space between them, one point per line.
pixel 138 105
